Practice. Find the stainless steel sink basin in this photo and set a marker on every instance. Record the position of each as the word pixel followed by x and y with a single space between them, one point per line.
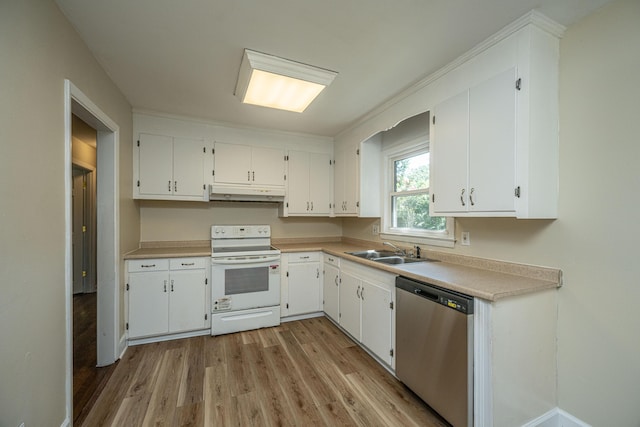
pixel 387 257
pixel 395 259
pixel 371 254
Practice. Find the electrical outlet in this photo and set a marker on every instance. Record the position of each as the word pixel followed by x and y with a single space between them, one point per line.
pixel 466 241
pixel 375 229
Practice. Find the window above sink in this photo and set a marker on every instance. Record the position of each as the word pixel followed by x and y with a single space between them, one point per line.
pixel 406 157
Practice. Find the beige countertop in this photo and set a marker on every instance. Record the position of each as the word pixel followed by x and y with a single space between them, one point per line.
pixel 486 279
pixel 482 278
pixel 149 250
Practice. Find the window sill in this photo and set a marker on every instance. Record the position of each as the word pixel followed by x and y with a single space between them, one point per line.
pixel 442 242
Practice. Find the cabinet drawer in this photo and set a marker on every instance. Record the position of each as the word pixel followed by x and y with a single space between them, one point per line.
pixel 304 257
pixel 148 265
pixel 187 263
pixel 332 260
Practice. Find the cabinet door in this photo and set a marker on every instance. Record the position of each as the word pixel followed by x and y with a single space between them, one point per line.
pixel 304 288
pixel 232 163
pixel 339 171
pixel 351 180
pixel 350 287
pixel 155 164
pixel 346 181
pixel 331 291
pixel 376 320
pixel 267 166
pixel 188 167
pixel 320 183
pixel 148 303
pixel 492 142
pixel 449 156
pixel 298 182
pixel 187 304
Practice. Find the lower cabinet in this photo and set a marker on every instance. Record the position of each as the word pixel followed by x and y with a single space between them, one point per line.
pixel 167 296
pixel 300 289
pixel 366 308
pixel 331 286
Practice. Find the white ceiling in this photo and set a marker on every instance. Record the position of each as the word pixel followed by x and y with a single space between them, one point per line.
pixel 182 57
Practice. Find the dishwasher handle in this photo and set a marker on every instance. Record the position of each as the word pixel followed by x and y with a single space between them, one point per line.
pixel 446 297
pixel 425 294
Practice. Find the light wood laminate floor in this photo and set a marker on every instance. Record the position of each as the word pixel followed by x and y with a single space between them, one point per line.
pixel 301 373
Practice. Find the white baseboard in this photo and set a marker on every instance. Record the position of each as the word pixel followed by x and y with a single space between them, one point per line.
pixel 556 418
pixel 122 346
pixel 301 316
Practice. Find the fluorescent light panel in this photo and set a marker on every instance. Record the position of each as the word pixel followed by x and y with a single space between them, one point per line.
pixel 274 82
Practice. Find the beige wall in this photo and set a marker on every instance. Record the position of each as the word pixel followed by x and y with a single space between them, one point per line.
pixel 595 239
pixel 38 50
pixel 174 221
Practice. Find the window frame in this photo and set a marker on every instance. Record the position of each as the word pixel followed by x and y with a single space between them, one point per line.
pixel 444 238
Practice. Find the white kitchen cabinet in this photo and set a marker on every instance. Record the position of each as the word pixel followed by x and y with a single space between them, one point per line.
pixel 171 168
pixel 494 143
pixel 376 317
pixel 239 164
pixel 346 180
pixel 309 184
pixel 350 302
pixel 148 298
pixel 301 292
pixel 357 179
pixel 473 149
pixel 366 308
pixel 331 286
pixel 167 296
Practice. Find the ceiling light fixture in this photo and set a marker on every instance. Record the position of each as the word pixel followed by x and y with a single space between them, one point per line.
pixel 280 83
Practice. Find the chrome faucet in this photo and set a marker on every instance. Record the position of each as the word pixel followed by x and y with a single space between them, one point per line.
pixel 398 250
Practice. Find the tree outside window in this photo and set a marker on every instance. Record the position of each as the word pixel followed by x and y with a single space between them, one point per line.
pixel 410 195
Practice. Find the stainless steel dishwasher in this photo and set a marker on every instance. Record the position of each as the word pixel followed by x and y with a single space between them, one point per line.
pixel 434 347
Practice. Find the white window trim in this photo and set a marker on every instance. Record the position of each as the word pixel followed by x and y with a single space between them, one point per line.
pixel 445 238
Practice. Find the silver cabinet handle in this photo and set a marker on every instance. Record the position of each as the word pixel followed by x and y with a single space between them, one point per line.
pixel 336 280
pixel 169 185
pixel 171 285
pixel 311 206
pixel 317 273
pixel 165 286
pixel 307 205
pixel 358 292
pixel 471 197
pixel 253 175
pixel 248 175
pixel 188 263
pixel 362 293
pixel 148 265
pixel 462 197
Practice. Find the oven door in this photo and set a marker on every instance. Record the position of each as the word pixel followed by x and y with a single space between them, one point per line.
pixel 244 282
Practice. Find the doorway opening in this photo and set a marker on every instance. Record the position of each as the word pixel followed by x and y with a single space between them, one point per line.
pixel 98 279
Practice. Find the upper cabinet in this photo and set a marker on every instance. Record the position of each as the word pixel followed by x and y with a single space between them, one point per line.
pixel 309 184
pixel 473 149
pixel 248 165
pixel 357 179
pixel 494 144
pixel 168 168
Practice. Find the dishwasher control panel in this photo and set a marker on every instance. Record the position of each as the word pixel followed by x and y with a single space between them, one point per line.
pixel 453 300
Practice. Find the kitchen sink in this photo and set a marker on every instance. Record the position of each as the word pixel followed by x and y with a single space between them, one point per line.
pixel 387 257
pixel 371 254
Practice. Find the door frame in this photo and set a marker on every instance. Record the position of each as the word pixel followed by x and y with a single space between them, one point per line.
pixel 108 232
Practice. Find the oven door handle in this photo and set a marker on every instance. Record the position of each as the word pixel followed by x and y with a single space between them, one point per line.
pixel 245 260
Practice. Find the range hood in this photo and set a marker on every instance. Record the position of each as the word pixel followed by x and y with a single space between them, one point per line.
pixel 245 193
